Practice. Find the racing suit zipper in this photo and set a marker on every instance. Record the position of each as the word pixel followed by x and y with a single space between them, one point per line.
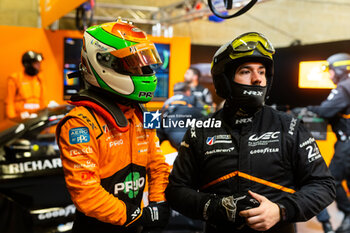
pixel 131 133
pixel 239 162
pixel 244 161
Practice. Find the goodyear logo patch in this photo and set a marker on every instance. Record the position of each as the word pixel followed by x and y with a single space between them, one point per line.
pixel 79 135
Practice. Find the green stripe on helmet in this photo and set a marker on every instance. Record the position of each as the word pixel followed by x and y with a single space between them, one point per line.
pixel 105 37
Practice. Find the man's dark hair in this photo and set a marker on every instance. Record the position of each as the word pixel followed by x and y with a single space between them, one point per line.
pixel 196 71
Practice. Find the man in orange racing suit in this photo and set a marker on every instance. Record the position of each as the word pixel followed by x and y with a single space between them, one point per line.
pixel 106 153
pixel 24 89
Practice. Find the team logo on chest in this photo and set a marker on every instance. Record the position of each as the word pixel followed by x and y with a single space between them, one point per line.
pixel 218 139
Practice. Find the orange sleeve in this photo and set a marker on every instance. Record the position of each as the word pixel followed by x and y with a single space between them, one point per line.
pixel 10 98
pixel 158 171
pixel 79 154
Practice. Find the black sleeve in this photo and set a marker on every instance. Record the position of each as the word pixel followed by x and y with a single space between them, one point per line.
pixel 315 185
pixel 336 101
pixel 182 191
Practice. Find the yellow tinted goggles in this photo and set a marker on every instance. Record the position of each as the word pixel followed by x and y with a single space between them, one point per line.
pixel 248 42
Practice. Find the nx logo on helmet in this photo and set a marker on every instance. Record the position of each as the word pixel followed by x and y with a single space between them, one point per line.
pixel 257 93
pixel 131 185
pixel 146 94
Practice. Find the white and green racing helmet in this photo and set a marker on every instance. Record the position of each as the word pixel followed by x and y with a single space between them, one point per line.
pixel 117 57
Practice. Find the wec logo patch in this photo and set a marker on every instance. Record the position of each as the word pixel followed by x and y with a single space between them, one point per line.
pixel 79 135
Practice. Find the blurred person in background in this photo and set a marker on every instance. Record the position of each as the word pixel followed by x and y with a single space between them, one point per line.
pixel 261 169
pixel 106 154
pixel 25 89
pixel 201 94
pixel 336 109
pixel 180 107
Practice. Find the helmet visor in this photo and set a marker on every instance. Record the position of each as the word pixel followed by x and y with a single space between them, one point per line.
pixel 251 41
pixel 133 60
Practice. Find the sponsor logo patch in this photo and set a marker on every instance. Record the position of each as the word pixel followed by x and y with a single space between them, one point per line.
pixel 87 164
pixel 307 142
pixel 256 93
pixel 142 150
pixel 131 186
pixel 228 150
pixel 116 143
pixel 264 139
pixel 88 121
pixel 80 152
pixel 265 136
pixel 264 150
pixel 105 128
pixel 292 126
pixel 218 139
pixel 313 153
pixel 79 135
pixel 244 120
pixel 51 213
pixel 193 132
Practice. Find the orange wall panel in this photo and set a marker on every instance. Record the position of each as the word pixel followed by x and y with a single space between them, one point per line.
pixel 51 10
pixel 17 40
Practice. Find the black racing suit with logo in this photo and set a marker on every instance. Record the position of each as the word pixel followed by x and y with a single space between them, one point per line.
pixel 336 108
pixel 270 153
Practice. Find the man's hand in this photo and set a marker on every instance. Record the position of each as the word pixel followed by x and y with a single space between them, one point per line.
pixel 156 215
pixel 263 217
pixel 225 210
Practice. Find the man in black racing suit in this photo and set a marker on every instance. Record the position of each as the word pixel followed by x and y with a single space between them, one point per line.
pixel 336 108
pixel 253 168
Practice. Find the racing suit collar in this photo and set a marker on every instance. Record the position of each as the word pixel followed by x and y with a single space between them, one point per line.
pixel 237 117
pixel 127 110
pixel 103 105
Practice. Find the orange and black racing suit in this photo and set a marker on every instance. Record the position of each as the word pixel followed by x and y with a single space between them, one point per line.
pixel 24 94
pixel 106 169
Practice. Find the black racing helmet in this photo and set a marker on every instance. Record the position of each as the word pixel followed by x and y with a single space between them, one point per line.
pixel 28 58
pixel 340 63
pixel 248 47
